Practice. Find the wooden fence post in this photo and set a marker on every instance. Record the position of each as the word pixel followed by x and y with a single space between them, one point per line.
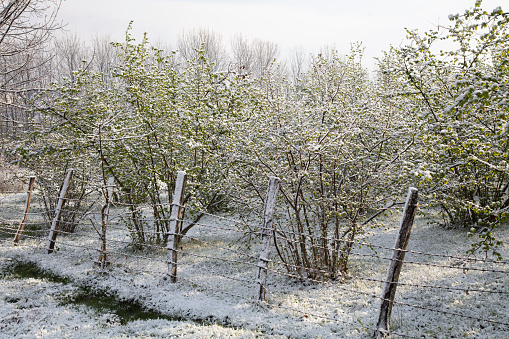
pixel 27 208
pixel 268 214
pixel 58 211
pixel 105 214
pixel 391 281
pixel 175 225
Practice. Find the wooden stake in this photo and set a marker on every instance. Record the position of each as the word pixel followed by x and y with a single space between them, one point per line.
pixel 268 214
pixel 175 225
pixel 27 208
pixel 58 211
pixel 391 281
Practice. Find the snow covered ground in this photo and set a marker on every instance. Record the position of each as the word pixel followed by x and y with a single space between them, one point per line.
pixel 217 297
pixel 32 308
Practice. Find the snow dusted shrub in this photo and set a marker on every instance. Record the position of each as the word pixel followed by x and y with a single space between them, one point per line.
pixel 150 119
pixel 336 144
pixel 462 102
pixel 61 141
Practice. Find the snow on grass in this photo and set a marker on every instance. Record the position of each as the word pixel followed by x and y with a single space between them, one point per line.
pixel 32 308
pixel 220 294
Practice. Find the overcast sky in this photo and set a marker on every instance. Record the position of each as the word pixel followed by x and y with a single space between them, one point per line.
pixel 307 24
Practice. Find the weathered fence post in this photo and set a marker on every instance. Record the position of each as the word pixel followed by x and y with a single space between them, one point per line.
pixel 268 214
pixel 391 281
pixel 105 214
pixel 55 224
pixel 27 208
pixel 175 225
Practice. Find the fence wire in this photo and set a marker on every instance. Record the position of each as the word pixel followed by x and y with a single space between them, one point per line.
pixel 225 258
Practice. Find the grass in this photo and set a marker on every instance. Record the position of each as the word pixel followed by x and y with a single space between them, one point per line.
pixel 101 301
pixel 126 310
pixel 23 270
pixel 32 229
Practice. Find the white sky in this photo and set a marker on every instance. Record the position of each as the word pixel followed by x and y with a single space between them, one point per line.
pixel 290 23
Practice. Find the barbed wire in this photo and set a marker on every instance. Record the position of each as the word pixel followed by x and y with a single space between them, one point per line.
pixel 241 297
pixel 9 193
pixel 341 320
pixel 251 282
pixel 328 273
pixel 6 229
pixel 15 229
pixel 10 241
pixel 235 221
pixel 216 258
pixel 355 241
pixel 137 256
pixel 145 244
pixel 391 301
pixel 198 224
pixel 360 254
pixel 325 273
pixel 469 259
pixel 447 256
pixel 462 289
pixel 122 228
pixel 40 246
pixel 313 280
pixel 161 233
pixel 220 247
pixel 216 227
pixel 66 243
pixel 290 232
pixel 138 207
pixel 180 277
pixel 31 214
pixel 408 261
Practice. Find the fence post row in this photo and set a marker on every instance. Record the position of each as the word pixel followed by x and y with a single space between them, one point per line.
pixel 391 281
pixel 58 211
pixel 268 214
pixel 175 216
pixel 105 213
pixel 27 208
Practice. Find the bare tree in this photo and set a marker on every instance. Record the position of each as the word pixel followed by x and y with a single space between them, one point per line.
pixel 71 54
pixel 266 53
pixel 297 64
pixel 190 43
pixel 25 28
pixel 253 56
pixel 243 55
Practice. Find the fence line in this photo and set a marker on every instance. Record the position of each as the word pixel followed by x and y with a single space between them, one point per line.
pixel 389 300
pixel 409 261
pixel 232 253
pixel 438 255
pixel 65 243
pixel 316 246
pixel 462 289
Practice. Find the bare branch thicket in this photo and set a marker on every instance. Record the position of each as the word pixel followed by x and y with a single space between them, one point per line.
pixel 70 55
pixel 253 56
pixel 105 56
pixel 26 27
pixel 298 62
pixel 191 43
